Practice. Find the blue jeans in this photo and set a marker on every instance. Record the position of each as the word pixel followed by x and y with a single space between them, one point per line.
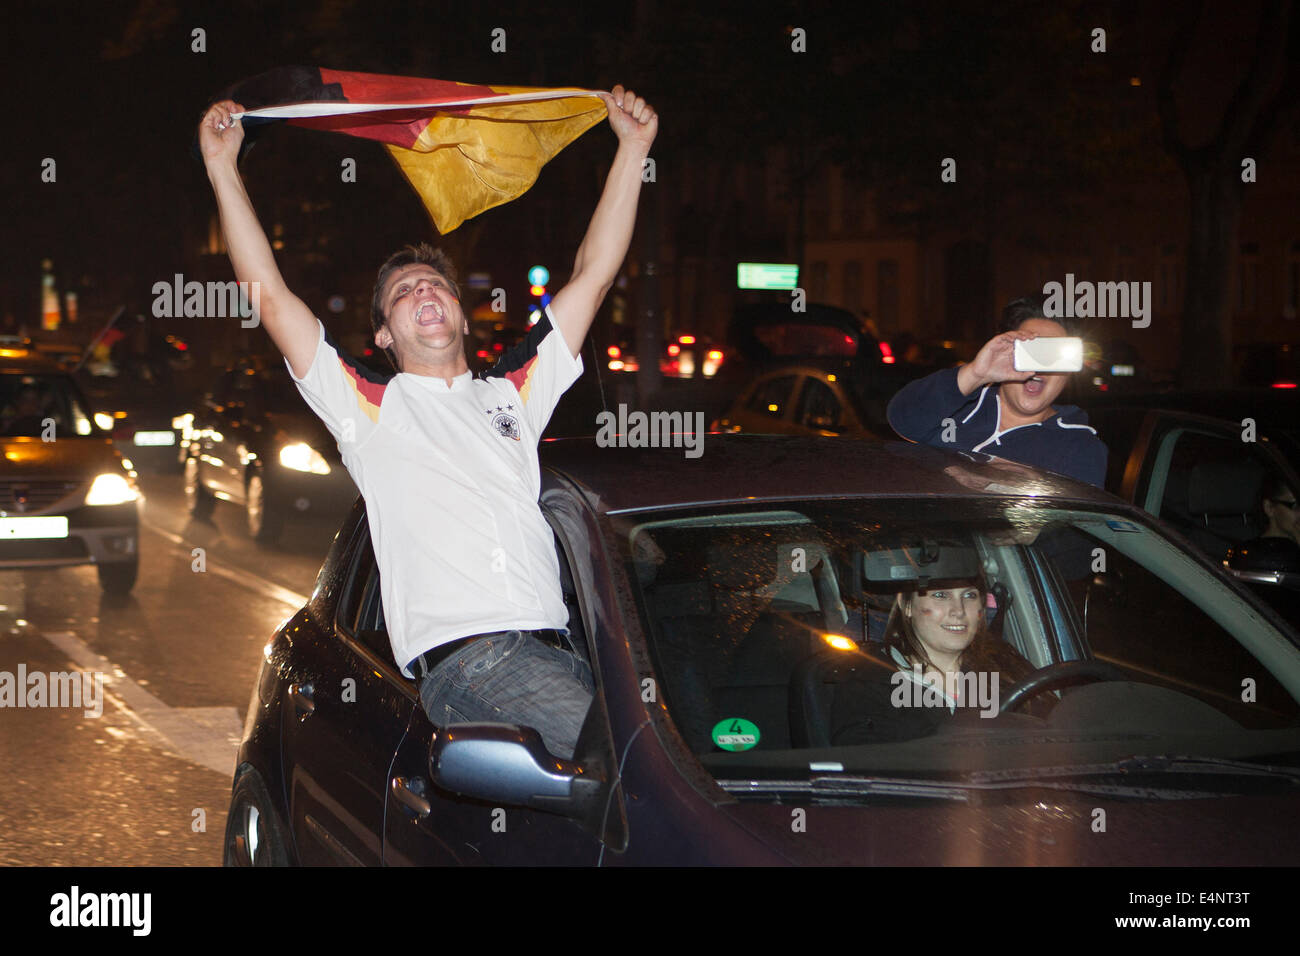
pixel 514 678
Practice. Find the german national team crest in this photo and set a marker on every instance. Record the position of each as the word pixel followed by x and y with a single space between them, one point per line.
pixel 506 425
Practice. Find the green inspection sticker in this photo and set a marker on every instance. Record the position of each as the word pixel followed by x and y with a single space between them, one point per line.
pixel 735 733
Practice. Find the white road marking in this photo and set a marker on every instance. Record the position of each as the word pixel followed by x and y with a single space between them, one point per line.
pixel 207 736
pixel 246 578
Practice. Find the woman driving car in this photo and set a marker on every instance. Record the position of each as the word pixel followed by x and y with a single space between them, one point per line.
pixel 938 656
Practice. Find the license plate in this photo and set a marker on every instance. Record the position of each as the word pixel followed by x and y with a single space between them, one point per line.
pixel 53 527
pixel 155 438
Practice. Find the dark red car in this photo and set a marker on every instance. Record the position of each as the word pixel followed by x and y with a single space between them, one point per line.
pixel 727 604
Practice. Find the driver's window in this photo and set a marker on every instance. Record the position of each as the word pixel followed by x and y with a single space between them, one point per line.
pixel 1129 616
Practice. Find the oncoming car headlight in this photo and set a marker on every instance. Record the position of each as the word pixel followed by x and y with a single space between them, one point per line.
pixel 110 489
pixel 302 457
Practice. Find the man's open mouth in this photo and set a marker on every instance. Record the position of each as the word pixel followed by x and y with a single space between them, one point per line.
pixel 1034 386
pixel 430 313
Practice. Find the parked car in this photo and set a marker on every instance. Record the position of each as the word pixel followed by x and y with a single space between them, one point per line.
pixel 1204 474
pixel 723 602
pixel 66 496
pixel 255 443
pixel 804 400
pixel 771 334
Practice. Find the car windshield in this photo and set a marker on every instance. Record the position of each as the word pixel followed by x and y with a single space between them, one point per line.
pixel 41 405
pixel 778 640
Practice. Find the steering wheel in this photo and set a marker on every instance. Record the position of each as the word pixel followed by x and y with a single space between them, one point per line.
pixel 1058 675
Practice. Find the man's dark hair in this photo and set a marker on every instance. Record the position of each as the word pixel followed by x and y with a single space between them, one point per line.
pixel 422 253
pixel 1019 311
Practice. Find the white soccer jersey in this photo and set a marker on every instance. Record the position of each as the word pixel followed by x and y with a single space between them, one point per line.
pixel 451 481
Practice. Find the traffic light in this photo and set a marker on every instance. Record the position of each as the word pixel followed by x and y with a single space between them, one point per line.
pixel 538 276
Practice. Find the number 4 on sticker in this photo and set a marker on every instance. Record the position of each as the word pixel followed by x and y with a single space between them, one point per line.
pixel 735 733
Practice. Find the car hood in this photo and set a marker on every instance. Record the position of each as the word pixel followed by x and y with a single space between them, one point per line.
pixel 1051 829
pixel 66 458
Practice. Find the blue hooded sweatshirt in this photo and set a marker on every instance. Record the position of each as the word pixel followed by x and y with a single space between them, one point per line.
pixel 1064 443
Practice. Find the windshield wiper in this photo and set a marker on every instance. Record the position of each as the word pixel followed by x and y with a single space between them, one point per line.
pixel 1072 778
pixel 1143 763
pixel 839 785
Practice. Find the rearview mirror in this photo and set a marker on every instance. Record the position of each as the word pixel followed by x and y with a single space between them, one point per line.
pixel 920 564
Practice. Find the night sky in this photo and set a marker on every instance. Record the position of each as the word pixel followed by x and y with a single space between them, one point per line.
pixel 112 93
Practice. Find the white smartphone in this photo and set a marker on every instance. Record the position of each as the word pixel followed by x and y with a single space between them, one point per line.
pixel 1049 353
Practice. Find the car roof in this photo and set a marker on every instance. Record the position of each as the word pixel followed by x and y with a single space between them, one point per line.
pixel 744 468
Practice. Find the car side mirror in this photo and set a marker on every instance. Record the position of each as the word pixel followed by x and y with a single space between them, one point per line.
pixel 505 763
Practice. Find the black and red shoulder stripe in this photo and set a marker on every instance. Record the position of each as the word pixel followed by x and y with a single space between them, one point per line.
pixel 518 363
pixel 367 383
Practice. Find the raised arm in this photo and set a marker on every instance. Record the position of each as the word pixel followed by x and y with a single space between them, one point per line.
pixel 292 326
pixel 605 245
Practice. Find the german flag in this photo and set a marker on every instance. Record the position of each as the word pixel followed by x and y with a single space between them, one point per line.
pixel 464 147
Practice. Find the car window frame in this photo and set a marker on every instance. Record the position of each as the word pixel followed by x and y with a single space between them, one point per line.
pixel 347 633
pixel 363 558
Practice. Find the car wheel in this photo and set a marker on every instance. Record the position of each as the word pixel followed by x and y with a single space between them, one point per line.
pixel 253 834
pixel 198 500
pixel 118 578
pixel 265 521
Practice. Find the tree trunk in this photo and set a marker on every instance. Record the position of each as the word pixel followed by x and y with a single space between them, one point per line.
pixel 1205 355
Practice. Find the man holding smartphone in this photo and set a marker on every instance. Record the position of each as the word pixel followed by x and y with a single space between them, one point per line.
pixel 988 406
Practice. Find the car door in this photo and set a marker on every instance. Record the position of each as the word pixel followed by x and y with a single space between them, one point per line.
pixel 428 825
pixel 1203 476
pixel 345 714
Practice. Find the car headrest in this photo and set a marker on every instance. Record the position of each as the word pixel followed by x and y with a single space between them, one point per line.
pixel 647 558
pixel 1224 488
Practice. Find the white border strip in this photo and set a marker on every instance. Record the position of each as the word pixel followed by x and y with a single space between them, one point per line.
pixel 307 110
